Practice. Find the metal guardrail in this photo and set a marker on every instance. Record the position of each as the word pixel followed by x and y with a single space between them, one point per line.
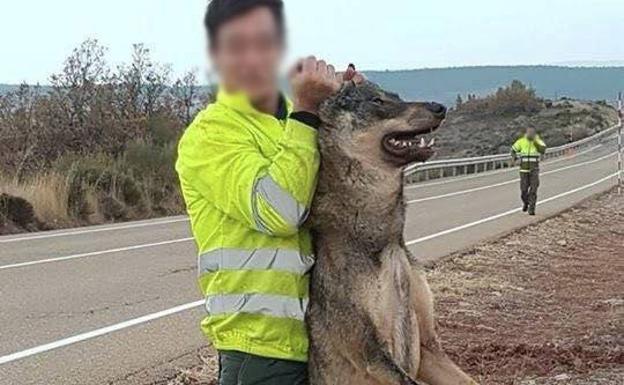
pixel 465 166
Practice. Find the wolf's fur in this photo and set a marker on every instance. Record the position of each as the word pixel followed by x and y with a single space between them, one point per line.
pixel 371 314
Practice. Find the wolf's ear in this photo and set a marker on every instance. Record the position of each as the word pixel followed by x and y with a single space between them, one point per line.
pixel 346 99
pixel 347 96
pixel 342 101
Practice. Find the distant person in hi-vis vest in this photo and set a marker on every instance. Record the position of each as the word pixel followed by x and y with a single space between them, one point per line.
pixel 528 151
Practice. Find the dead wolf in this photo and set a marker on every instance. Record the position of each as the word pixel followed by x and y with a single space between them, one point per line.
pixel 370 316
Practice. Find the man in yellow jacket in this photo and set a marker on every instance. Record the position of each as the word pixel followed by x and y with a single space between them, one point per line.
pixel 528 150
pixel 247 167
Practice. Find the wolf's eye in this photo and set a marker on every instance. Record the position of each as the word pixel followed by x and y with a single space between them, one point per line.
pixel 379 101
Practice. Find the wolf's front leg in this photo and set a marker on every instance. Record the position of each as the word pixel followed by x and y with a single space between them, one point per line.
pixel 435 368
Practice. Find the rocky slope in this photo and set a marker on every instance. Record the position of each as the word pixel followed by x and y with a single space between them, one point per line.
pixel 472 133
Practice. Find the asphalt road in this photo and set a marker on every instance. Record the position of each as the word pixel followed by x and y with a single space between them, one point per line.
pixel 119 304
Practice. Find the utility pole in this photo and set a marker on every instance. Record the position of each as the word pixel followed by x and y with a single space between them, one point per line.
pixel 620 171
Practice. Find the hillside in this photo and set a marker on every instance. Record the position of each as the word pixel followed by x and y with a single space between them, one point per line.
pixel 469 134
pixel 444 84
pixel 6 88
pixel 490 124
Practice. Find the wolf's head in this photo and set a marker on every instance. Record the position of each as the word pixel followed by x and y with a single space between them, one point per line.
pixel 366 138
pixel 367 123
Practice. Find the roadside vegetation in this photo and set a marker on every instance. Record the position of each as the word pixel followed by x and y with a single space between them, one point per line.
pixel 97 145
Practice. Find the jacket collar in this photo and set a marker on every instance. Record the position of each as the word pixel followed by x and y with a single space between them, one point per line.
pixel 240 102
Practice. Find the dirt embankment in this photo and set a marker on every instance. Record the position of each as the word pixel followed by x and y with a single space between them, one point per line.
pixel 542 306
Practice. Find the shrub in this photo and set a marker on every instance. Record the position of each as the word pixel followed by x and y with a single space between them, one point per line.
pixel 516 98
pixel 99 143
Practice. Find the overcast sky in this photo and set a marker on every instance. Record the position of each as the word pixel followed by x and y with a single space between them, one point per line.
pixel 36 35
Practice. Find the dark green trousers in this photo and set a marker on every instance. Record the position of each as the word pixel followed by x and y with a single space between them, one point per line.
pixel 236 368
pixel 529 183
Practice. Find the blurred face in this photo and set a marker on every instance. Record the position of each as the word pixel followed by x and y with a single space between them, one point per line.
pixel 247 53
pixel 530 132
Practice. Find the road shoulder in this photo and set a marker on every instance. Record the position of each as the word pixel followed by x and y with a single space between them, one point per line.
pixel 538 306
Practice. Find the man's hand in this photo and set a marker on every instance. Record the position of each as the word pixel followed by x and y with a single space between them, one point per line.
pixel 312 82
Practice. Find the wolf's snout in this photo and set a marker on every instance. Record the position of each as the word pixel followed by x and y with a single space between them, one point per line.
pixel 437 109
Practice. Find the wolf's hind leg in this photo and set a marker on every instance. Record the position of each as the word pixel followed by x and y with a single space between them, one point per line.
pixel 385 371
pixel 380 366
pixel 435 368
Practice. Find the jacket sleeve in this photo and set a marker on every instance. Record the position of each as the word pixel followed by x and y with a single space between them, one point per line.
pixel 515 149
pixel 223 163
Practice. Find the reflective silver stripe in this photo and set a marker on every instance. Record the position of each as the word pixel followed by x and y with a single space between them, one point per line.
pixel 280 200
pixel 529 159
pixel 269 305
pixel 260 226
pixel 259 259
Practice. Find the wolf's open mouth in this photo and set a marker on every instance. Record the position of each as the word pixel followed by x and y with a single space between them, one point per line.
pixel 409 146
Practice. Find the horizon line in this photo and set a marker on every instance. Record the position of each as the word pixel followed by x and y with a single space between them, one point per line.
pixel 476 66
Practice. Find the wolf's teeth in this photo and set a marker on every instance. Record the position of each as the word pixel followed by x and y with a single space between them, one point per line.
pixel 422 142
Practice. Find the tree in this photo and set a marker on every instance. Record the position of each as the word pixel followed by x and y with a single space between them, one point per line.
pixel 20 131
pixel 186 95
pixel 459 101
pixel 75 87
pixel 142 83
pixel 91 109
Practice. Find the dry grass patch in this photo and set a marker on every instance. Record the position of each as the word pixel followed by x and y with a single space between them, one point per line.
pixel 48 194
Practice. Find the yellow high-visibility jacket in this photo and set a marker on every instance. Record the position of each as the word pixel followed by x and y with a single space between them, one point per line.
pixel 529 152
pixel 248 179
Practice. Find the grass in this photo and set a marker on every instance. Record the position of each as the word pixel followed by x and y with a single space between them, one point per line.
pixel 48 194
pixel 98 188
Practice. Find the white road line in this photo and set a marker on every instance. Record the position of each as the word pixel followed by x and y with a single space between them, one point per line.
pixel 93 253
pixel 497 216
pixel 484 174
pixel 515 180
pixel 97 333
pixel 92 230
pixel 150 317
